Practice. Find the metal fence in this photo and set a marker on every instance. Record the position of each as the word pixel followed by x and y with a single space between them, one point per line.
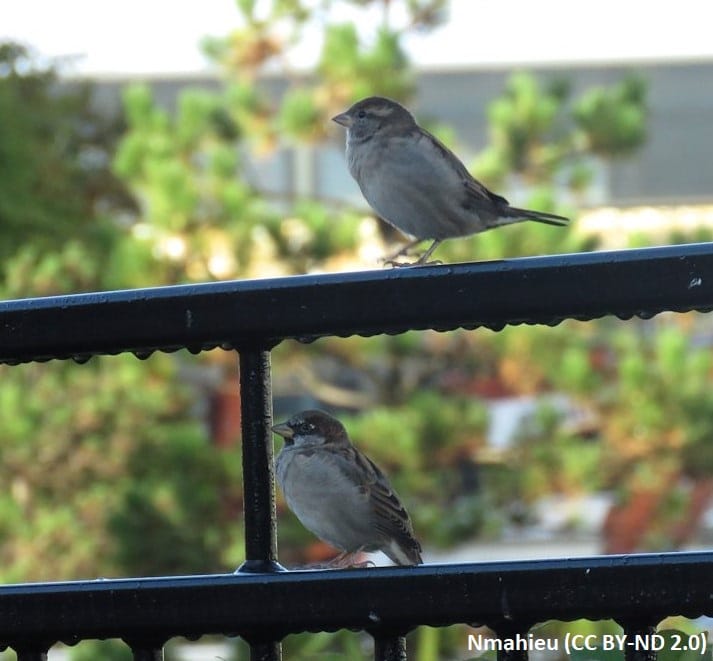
pixel 263 603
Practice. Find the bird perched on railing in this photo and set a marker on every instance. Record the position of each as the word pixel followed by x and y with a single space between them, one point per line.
pixel 339 494
pixel 418 185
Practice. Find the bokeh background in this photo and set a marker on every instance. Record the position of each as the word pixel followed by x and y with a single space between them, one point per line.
pixel 157 143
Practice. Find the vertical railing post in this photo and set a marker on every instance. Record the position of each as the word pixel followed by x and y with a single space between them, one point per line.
pixel 31 655
pixel 389 648
pixel 145 650
pixel 258 468
pixel 634 651
pixel 512 632
pixel 258 478
pixel 150 653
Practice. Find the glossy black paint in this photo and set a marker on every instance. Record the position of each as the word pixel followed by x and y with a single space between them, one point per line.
pixel 643 588
pixel 541 290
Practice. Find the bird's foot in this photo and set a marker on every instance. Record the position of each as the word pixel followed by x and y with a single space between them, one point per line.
pixel 360 565
pixel 391 260
pixel 347 560
pixel 421 261
pixel 418 262
pixel 338 563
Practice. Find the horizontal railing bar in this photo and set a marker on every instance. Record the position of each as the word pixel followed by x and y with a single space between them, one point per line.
pixel 542 290
pixel 382 600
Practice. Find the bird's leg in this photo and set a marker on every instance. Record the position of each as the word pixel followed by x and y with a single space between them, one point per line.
pixel 404 250
pixel 345 560
pixel 341 560
pixel 421 261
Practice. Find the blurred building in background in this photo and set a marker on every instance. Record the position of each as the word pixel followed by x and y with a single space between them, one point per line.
pixel 672 168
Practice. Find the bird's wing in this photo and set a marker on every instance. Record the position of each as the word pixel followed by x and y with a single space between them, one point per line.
pixel 474 190
pixel 477 197
pixel 390 516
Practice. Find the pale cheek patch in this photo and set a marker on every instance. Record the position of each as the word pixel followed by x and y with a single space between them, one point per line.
pixel 303 440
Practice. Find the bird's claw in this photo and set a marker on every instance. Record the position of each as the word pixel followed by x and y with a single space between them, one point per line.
pixel 346 559
pixel 359 565
pixel 418 262
pixel 421 261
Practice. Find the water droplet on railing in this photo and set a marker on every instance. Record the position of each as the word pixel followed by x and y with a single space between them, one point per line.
pixel 81 358
pixel 143 355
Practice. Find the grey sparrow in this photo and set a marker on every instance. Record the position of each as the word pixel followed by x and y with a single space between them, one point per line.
pixel 418 185
pixel 339 494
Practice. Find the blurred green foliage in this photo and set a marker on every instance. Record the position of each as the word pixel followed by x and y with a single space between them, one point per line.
pixel 55 152
pixel 108 650
pixel 75 441
pixel 117 479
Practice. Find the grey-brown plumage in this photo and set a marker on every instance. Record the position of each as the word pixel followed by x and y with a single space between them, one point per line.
pixel 338 493
pixel 414 182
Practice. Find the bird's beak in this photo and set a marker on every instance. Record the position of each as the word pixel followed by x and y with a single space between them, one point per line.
pixel 344 119
pixel 283 430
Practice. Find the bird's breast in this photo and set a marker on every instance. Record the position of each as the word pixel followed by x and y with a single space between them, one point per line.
pixel 308 478
pixel 328 504
pixel 409 184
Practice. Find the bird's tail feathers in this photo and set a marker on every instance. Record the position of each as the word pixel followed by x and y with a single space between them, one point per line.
pixel 404 551
pixel 538 216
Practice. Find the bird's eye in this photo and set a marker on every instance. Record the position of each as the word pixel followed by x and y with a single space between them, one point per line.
pixel 361 114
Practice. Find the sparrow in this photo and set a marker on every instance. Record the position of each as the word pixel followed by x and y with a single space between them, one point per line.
pixel 339 494
pixel 418 185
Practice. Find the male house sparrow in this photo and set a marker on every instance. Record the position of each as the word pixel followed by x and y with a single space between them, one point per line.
pixel 338 493
pixel 418 185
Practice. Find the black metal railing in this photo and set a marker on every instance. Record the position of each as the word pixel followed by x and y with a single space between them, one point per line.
pixel 263 603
